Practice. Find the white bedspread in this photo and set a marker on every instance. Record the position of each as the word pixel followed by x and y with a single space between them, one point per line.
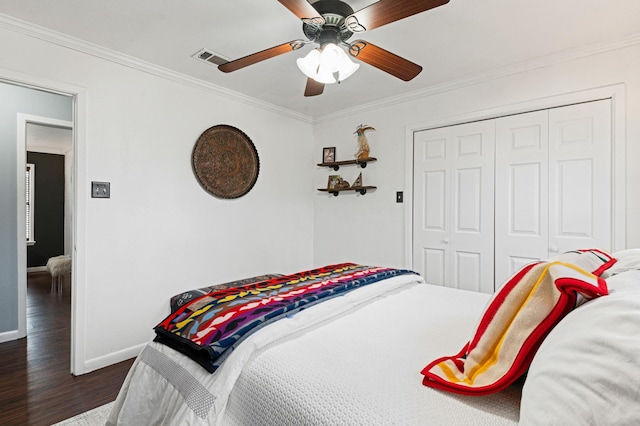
pixel 327 365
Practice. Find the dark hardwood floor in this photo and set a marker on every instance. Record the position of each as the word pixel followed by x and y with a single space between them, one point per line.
pixel 36 387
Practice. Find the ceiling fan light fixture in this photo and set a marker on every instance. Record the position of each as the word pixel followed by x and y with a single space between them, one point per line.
pixel 309 64
pixel 322 64
pixel 335 21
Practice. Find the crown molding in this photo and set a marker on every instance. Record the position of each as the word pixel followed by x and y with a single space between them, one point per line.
pixel 45 34
pixel 494 74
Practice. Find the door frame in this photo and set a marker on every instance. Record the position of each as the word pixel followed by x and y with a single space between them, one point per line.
pixel 78 186
pixel 614 92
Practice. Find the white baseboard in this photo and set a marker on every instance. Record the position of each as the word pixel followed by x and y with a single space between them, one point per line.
pixel 7 336
pixel 37 269
pixel 110 359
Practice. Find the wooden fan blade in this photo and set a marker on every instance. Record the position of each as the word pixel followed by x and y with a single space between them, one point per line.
pixel 301 8
pixel 261 56
pixel 384 60
pixel 387 11
pixel 313 88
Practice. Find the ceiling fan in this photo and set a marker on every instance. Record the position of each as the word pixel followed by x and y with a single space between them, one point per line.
pixel 331 23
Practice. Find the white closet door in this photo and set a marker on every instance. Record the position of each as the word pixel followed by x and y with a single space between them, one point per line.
pixel 553 184
pixel 522 208
pixel 453 205
pixel 580 193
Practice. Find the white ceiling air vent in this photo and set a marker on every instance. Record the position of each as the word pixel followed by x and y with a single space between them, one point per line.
pixel 210 57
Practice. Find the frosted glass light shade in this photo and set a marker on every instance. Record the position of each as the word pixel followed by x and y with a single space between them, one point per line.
pixel 309 64
pixel 347 68
pixel 327 65
pixel 324 76
pixel 330 58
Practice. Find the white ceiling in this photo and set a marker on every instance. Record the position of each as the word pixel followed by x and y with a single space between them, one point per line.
pixel 455 42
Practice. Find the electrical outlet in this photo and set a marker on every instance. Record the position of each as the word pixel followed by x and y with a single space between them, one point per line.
pixel 399 197
pixel 100 190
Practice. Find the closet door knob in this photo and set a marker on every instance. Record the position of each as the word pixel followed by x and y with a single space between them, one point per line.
pixel 554 249
pixel 445 241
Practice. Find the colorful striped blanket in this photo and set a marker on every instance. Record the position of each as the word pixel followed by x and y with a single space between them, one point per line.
pixel 208 328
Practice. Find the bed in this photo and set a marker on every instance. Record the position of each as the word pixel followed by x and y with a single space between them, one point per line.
pixel 363 357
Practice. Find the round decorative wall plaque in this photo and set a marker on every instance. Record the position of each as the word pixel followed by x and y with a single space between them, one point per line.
pixel 225 162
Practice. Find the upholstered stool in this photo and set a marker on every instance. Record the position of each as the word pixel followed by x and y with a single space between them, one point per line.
pixel 58 267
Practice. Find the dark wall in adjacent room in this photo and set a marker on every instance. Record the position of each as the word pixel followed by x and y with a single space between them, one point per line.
pixel 48 221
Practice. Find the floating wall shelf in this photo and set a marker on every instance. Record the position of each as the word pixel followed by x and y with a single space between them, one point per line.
pixel 335 165
pixel 361 189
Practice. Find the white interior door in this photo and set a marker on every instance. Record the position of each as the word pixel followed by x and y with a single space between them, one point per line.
pixel 580 178
pixel 522 207
pixel 453 205
pixel 553 184
pixel 553 193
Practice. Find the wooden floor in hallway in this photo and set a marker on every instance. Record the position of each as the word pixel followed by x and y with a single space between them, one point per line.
pixel 36 387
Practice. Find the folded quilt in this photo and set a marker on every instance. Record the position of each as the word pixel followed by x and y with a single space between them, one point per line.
pixel 185 297
pixel 208 328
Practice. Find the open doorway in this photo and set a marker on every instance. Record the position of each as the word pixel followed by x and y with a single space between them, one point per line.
pixel 49 192
pixel 49 211
pixel 32 99
pixel 24 107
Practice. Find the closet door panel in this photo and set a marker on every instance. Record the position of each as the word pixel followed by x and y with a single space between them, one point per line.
pixel 525 197
pixel 521 216
pixel 468 271
pixel 434 226
pixel 432 158
pixel 574 199
pixel 468 213
pixel 435 185
pixel 471 236
pixel 580 176
pixel 453 205
pixel 434 266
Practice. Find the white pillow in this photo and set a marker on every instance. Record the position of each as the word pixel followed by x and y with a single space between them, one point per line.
pixel 627 260
pixel 587 370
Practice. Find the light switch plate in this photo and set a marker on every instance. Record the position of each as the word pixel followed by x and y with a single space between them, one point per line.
pixel 100 189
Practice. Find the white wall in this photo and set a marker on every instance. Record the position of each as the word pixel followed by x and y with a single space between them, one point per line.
pixel 371 229
pixel 160 233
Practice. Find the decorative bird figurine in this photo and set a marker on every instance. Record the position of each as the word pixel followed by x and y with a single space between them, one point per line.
pixel 363 145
